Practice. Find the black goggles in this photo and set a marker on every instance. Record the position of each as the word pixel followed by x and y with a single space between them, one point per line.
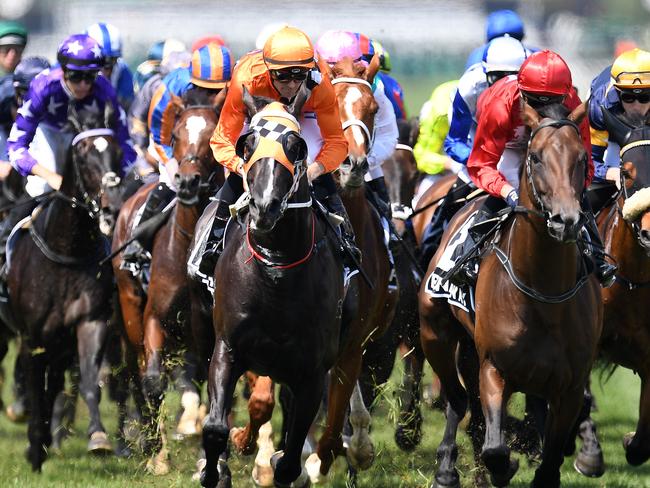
pixel 79 76
pixel 109 63
pixel 537 101
pixel 494 76
pixel 295 74
pixel 631 96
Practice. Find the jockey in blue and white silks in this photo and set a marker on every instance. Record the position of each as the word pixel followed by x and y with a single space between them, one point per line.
pixel 46 107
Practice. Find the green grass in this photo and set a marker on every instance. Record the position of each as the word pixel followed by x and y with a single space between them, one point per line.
pixel 617 402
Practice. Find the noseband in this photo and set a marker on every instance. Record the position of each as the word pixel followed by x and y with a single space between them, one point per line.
pixel 529 160
pixel 354 121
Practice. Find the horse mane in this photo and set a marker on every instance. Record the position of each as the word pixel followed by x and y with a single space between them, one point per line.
pixel 407 132
pixel 196 97
pixel 636 121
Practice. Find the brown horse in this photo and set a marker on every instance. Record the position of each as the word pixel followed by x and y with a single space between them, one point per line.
pixel 357 107
pixel 157 323
pixel 538 312
pixel 625 227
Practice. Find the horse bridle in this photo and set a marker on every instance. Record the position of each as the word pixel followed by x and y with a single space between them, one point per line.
pixel 354 121
pixel 537 200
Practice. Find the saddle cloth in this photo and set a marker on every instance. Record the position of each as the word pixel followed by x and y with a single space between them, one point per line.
pixel 438 287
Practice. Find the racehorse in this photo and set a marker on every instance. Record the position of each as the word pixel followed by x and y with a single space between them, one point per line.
pixel 278 299
pixel 538 310
pixel 59 293
pixel 625 227
pixel 357 108
pixel 157 324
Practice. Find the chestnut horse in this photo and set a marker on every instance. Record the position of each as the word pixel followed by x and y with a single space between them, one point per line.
pixel 278 299
pixel 625 227
pixel 157 323
pixel 357 108
pixel 59 292
pixel 538 311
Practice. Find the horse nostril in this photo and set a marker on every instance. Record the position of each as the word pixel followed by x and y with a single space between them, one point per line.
pixel 177 180
pixel 196 179
pixel 645 234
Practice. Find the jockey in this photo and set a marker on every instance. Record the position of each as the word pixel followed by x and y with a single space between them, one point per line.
pixel 46 107
pixel 392 88
pixel 209 71
pixel 502 57
pixel 13 39
pixel 500 23
pixel 278 72
pixel 434 124
pixel 333 46
pixel 156 57
pixel 500 143
pixel 623 88
pixel 115 69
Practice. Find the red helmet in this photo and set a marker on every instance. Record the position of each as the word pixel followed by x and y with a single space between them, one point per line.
pixel 545 72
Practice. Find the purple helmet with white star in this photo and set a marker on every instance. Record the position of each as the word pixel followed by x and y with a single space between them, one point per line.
pixel 80 52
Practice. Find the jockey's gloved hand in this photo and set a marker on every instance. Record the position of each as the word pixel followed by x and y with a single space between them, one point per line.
pixel 512 198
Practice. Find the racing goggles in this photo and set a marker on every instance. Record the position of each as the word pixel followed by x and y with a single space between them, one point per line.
pixel 537 101
pixel 74 76
pixel 494 76
pixel 631 96
pixel 290 74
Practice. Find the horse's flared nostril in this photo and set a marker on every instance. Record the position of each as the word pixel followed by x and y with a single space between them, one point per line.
pixel 645 234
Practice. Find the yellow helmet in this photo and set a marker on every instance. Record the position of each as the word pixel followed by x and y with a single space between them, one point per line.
pixel 288 48
pixel 632 70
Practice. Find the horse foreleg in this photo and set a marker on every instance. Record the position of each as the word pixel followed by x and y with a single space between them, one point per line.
pixel 260 408
pixel 360 451
pixel 186 376
pixel 589 460
pixel 562 415
pixel 306 402
pixel 222 379
pixel 637 444
pixel 38 430
pixel 494 400
pixel 344 376
pixel 439 345
pixel 91 339
pixel 408 432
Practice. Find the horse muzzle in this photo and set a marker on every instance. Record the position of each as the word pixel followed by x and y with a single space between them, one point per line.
pixel 564 227
pixel 188 188
pixel 263 218
pixel 352 171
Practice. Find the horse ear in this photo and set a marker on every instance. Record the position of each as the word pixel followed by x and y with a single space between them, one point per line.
pixel 414 132
pixel 73 117
pixel 373 68
pixel 109 115
pixel 618 130
pixel 246 144
pixel 578 113
pixel 248 100
pixel 529 115
pixel 177 103
pixel 299 100
pixel 219 100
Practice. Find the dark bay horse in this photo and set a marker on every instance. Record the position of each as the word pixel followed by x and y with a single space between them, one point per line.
pixel 278 293
pixel 357 108
pixel 538 312
pixel 59 293
pixel 625 227
pixel 158 323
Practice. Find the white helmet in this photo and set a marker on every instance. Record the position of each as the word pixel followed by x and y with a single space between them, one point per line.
pixel 503 54
pixel 108 37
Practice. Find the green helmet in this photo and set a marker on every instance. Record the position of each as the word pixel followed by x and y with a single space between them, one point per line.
pixel 384 57
pixel 12 34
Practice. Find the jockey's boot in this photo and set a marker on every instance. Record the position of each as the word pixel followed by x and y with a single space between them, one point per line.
pixel 334 204
pixel 605 272
pixel 382 199
pixel 135 253
pixel 214 243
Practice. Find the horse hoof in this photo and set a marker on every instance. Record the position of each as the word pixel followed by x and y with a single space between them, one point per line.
pixel 634 452
pixel 123 450
pixel 591 466
pixel 16 412
pixel 262 475
pixel 408 437
pixel 312 466
pixel 188 424
pixel 238 441
pixel 99 444
pixel 501 467
pixel 360 451
pixel 159 464
pixel 446 480
pixel 200 466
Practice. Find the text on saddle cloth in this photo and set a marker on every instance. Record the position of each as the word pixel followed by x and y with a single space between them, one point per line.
pixel 437 286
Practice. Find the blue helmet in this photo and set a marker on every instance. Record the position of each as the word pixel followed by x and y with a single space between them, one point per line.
pixel 27 70
pixel 80 52
pixel 108 37
pixel 156 51
pixel 504 22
